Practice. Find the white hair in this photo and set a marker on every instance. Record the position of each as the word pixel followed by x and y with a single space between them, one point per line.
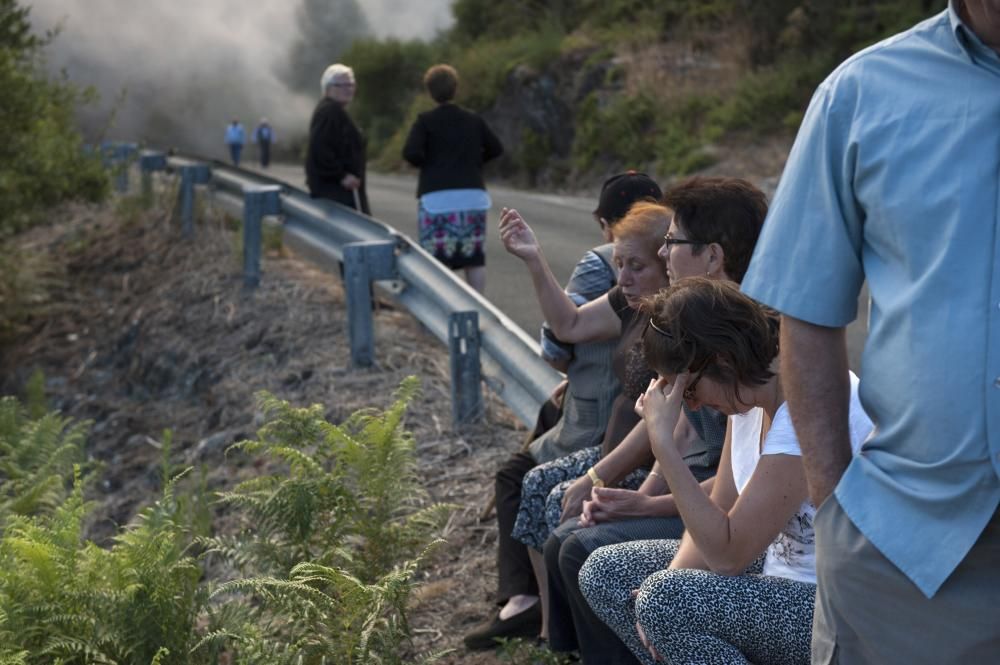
pixel 332 73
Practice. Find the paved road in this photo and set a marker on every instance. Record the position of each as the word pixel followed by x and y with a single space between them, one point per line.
pixel 564 225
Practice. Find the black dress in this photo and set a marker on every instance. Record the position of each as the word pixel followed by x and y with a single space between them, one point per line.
pixel 336 148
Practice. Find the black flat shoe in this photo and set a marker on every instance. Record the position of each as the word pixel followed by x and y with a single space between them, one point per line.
pixel 524 624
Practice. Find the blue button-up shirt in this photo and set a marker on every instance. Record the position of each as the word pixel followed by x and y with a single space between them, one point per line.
pixel 895 176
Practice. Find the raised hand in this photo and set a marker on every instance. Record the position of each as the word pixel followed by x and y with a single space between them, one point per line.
pixel 660 407
pixel 517 236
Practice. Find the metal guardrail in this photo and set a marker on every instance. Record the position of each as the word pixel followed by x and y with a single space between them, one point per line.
pixel 319 230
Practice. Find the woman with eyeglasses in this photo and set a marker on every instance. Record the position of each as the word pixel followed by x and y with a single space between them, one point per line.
pixel 703 598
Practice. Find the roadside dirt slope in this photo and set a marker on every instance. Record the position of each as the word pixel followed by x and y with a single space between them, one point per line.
pixel 144 332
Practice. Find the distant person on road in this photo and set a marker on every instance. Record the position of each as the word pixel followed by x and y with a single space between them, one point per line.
pixel 263 136
pixel 235 138
pixel 335 158
pixel 449 145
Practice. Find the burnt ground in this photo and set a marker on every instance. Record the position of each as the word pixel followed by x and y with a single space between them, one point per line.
pixel 142 331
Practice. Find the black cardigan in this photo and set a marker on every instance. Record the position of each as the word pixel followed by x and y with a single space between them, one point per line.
pixel 450 145
pixel 336 148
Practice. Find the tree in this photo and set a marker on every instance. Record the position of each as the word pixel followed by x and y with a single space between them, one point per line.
pixel 326 29
pixel 41 157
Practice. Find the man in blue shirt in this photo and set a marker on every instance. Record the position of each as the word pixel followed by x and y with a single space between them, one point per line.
pixel 895 178
pixel 263 136
pixel 235 138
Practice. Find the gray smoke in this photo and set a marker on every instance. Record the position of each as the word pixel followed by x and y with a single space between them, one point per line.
pixel 188 67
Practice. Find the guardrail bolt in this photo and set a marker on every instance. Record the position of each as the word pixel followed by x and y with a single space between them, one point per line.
pixel 365 262
pixel 466 373
pixel 191 175
pixel 258 201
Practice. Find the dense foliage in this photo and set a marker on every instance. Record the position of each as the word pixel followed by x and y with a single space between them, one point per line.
pixel 42 160
pixel 332 539
pixel 786 48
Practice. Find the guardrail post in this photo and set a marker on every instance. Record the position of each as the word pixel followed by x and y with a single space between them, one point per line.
pixel 466 373
pixel 258 200
pixel 121 155
pixel 191 175
pixel 149 161
pixel 365 262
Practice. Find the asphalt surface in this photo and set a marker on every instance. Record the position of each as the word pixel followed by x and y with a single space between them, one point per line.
pixel 564 225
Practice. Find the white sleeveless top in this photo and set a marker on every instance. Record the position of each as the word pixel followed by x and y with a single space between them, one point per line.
pixel 793 552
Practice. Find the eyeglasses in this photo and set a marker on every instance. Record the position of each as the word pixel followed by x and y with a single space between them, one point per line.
pixel 668 241
pixel 344 85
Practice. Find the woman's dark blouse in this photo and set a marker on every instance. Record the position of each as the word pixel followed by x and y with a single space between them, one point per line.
pixel 336 148
pixel 450 145
pixel 631 369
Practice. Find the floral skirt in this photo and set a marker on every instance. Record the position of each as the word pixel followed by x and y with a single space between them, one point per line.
pixel 542 491
pixel 456 238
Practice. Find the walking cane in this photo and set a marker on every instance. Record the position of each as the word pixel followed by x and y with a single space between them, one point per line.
pixel 357 200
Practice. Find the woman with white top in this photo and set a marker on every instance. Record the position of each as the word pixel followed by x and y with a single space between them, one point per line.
pixel 713 346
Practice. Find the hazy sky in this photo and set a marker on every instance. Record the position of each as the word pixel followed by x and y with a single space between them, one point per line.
pixel 191 65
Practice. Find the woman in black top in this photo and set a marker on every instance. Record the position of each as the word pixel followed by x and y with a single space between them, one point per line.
pixel 449 145
pixel 335 161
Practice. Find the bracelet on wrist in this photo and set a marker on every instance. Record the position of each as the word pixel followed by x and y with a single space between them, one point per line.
pixel 594 478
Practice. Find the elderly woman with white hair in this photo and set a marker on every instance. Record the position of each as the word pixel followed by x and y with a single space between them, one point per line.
pixel 335 160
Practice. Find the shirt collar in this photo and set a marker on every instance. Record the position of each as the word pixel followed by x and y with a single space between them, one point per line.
pixel 968 42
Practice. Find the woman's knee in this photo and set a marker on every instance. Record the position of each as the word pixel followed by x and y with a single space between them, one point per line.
pixel 572 555
pixel 550 552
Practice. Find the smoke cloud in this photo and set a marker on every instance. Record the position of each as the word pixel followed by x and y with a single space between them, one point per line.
pixel 188 67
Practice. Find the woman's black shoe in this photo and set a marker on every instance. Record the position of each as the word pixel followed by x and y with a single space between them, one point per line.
pixel 524 624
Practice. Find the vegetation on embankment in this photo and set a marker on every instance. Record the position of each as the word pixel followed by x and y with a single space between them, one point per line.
pixel 42 160
pixel 578 88
pixel 321 547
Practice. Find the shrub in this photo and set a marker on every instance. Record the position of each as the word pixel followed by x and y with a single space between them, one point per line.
pixel 42 160
pixel 37 455
pixel 73 602
pixel 618 128
pixel 389 75
pixel 338 535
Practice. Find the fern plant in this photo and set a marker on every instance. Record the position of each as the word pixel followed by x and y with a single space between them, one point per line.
pixel 347 495
pixel 36 459
pixel 70 601
pixel 348 511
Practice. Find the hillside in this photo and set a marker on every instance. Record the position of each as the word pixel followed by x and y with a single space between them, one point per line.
pixel 580 89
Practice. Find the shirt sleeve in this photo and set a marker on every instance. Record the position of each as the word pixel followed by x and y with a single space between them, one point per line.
pixel 590 280
pixel 807 262
pixel 492 148
pixel 781 439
